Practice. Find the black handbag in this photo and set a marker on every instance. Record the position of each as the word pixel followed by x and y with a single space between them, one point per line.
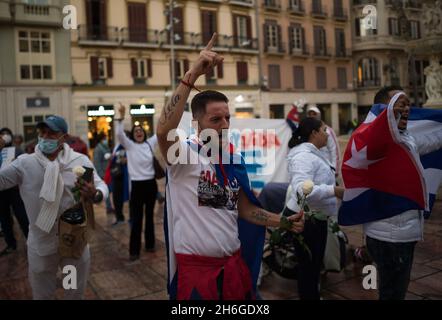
pixel 116 170
pixel 159 171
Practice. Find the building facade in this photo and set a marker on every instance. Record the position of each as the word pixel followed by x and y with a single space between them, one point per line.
pixel 306 55
pixel 382 56
pixel 122 52
pixel 35 65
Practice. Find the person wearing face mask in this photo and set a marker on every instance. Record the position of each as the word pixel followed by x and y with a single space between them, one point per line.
pixel 307 162
pixel 102 155
pixel 45 179
pixel 10 198
pixel 140 164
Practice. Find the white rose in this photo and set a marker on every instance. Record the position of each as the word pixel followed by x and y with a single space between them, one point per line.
pixel 79 171
pixel 307 187
pixel 107 156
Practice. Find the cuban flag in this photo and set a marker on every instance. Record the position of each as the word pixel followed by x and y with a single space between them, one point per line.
pixel 382 177
pixel 251 236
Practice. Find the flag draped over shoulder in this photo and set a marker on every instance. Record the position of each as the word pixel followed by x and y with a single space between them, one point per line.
pixel 382 176
pixel 251 236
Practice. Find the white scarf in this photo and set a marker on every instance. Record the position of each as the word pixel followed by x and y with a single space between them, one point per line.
pixel 53 186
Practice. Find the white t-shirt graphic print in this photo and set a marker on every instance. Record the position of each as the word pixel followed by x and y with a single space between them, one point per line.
pixel 202 213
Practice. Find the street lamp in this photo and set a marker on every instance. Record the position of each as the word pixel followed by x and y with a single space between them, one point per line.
pixel 172 37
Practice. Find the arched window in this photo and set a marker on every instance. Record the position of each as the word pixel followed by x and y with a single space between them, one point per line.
pixel 368 72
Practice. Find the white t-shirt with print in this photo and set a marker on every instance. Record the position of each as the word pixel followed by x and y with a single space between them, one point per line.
pixel 202 214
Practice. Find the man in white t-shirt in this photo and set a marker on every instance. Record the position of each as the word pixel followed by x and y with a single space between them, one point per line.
pixel 206 197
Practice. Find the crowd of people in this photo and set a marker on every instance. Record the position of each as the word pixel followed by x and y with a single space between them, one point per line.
pixel 215 224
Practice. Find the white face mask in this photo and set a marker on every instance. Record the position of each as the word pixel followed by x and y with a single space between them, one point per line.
pixel 7 138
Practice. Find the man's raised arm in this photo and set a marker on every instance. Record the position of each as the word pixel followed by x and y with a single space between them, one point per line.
pixel 173 111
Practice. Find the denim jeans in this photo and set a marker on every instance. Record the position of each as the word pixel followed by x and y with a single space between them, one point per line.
pixel 394 262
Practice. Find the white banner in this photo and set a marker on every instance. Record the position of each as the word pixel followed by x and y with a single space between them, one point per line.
pixel 263 144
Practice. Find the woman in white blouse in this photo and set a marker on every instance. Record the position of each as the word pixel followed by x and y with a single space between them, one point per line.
pixel 306 162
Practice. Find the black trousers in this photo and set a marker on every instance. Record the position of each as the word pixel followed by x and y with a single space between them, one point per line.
pixel 309 268
pixel 394 262
pixel 118 197
pixel 142 201
pixel 11 198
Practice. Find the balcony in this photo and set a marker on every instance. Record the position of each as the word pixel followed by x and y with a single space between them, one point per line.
pixel 340 15
pixel 299 52
pixel 97 35
pixel 140 37
pixel 322 53
pixel 184 40
pixel 343 54
pixel 272 5
pixel 297 10
pixel 244 3
pixel 319 12
pixel 236 43
pixel 33 14
pixel 278 49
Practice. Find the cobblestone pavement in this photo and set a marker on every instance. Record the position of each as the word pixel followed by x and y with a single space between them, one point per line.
pixel 113 276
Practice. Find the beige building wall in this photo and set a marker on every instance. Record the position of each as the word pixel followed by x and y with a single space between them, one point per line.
pixel 287 94
pixel 121 86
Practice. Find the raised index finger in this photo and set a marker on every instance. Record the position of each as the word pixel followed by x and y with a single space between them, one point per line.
pixel 211 42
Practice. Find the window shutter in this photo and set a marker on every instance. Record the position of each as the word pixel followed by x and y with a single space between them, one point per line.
pixel 316 40
pixel 103 17
pixel 220 70
pixel 94 68
pixel 418 29
pixel 304 47
pixel 291 33
pixel 149 67
pixel 321 78
pixel 390 26
pixel 266 36
pixel 242 71
pixel 342 78
pixel 358 27
pixel 298 77
pixel 134 67
pixel 280 39
pixel 109 66
pixel 185 65
pixel 235 30
pixel 249 27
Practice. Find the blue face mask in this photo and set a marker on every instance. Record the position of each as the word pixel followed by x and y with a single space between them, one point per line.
pixel 48 146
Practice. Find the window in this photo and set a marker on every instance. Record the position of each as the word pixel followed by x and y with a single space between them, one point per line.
pixel 241 28
pixel 25 72
pixel 368 72
pixel 38 42
pixel 415 29
pixel 320 41
pixel 102 74
pixel 208 19
pixel 181 67
pixel 36 72
pixel 47 72
pixel 296 34
pixel 342 78
pixel 340 43
pixel 272 36
pixel 394 72
pixel 295 4
pixel 274 76
pixel 298 77
pixel 242 72
pixel 361 31
pixel 321 78
pixel 277 111
pixel 393 27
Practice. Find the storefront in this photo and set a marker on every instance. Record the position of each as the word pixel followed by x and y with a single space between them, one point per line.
pixel 100 120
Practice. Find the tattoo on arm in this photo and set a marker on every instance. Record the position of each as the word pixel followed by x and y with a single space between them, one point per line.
pixel 170 109
pixel 260 216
